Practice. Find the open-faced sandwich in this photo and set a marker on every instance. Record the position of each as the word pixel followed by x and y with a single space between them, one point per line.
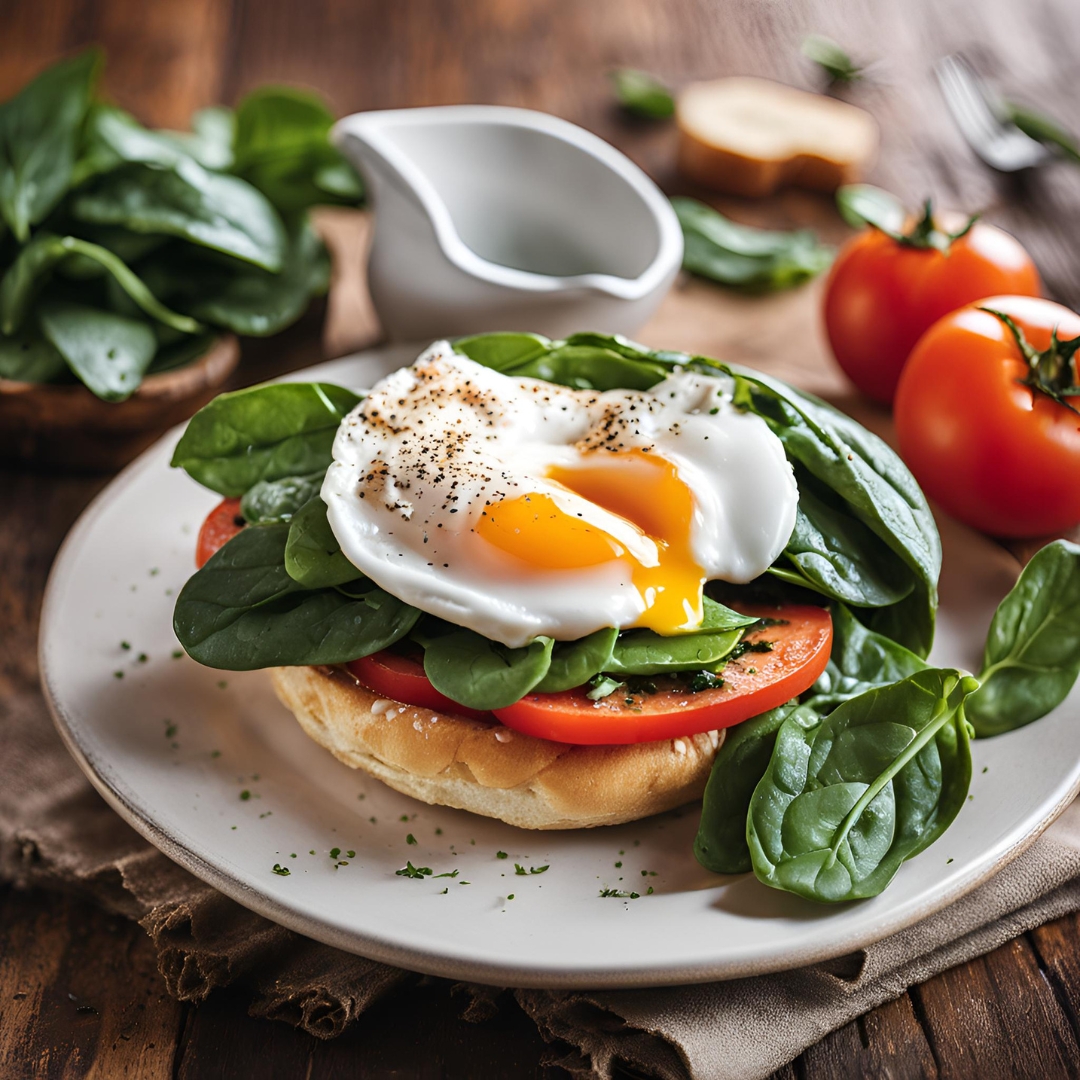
pixel 540 580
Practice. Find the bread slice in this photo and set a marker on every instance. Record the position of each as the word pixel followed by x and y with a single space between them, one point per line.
pixel 750 136
pixel 485 767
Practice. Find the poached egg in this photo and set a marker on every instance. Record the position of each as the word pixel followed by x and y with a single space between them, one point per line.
pixel 519 508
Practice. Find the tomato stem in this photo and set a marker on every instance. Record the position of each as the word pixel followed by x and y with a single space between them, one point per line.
pixel 926 234
pixel 1051 372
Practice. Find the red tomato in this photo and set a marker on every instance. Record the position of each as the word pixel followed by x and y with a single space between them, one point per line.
pixel 402 678
pixel 753 684
pixel 882 295
pixel 221 524
pixel 995 453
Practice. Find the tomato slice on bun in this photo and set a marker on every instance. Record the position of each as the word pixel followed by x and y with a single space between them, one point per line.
pixel 781 660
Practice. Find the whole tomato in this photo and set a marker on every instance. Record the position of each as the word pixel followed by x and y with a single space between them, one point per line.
pixel 886 289
pixel 985 417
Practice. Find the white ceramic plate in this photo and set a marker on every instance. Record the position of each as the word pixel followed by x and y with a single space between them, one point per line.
pixel 210 768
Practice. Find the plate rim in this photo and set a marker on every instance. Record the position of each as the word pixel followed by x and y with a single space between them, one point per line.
pixel 449 964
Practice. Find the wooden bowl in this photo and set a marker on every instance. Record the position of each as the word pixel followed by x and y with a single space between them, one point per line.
pixel 66 427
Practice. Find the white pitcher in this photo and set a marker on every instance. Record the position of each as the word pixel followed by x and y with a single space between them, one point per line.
pixel 493 218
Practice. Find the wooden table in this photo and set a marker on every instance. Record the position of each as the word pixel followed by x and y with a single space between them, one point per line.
pixel 98 1005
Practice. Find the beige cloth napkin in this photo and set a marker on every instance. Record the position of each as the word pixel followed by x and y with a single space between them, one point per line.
pixel 55 831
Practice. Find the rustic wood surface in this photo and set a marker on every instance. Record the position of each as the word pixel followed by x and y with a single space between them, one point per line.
pixel 79 994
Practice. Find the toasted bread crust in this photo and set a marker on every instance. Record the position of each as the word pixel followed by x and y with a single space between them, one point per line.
pixel 488 769
pixel 749 137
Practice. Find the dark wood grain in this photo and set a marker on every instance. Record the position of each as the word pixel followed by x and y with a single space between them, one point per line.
pixel 78 994
pixel 886 1042
pixel 966 1011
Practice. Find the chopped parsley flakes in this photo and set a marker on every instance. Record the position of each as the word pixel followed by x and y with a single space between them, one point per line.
pixel 410 871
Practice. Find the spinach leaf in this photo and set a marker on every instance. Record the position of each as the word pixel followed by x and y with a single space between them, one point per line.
pixel 262 433
pixel 241 297
pixel 874 485
pixel 321 626
pixel 588 367
pixel 29 357
pixel 242 611
pixel 743 256
pixel 574 663
pixel 282 147
pixel 719 617
pixel 860 660
pixel 313 557
pixel 39 129
pixel 479 673
pixel 847 799
pixel 1032 652
pixel 836 555
pixel 642 94
pixel 831 58
pixel 1044 129
pixel 213 210
pixel 271 502
pixel 625 347
pixel 110 353
pixel 246 572
pixel 114 137
pixel 644 652
pixel 720 845
pixel 210 141
pixel 864 204
pixel 126 246
pixel 35 263
pixel 502 352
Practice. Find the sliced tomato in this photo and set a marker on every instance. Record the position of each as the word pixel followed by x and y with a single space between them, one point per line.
pixel 221 525
pixel 401 678
pixel 800 637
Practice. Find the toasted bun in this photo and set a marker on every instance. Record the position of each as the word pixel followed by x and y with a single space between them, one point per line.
pixel 751 136
pixel 485 767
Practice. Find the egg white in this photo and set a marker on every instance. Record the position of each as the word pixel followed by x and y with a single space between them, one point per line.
pixel 417 461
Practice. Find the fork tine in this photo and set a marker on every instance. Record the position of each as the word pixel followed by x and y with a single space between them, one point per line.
pixel 974 90
pixel 968 107
pixel 999 142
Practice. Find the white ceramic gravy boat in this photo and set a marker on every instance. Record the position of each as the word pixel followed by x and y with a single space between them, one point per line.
pixel 493 218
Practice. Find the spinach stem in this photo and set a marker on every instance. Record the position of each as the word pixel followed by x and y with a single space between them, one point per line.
pixel 921 739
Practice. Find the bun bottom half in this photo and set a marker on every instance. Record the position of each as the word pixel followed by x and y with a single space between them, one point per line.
pixel 488 769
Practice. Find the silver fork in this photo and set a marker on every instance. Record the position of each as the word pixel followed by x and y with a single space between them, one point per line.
pixel 980 115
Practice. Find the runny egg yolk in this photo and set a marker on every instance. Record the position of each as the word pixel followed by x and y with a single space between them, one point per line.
pixel 644 490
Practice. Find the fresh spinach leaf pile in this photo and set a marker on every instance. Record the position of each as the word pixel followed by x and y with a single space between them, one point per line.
pixel 124 251
pixel 825 796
